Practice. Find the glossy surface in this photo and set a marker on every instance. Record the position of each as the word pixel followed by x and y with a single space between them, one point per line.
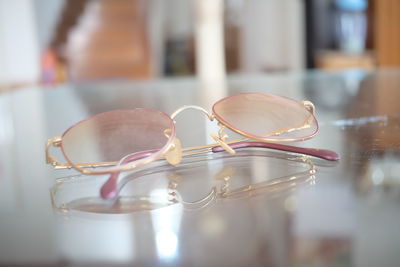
pixel 256 208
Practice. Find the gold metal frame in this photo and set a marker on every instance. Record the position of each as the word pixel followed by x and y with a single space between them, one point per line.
pixel 175 152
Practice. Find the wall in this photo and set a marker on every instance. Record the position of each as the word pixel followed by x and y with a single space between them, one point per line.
pixel 19 50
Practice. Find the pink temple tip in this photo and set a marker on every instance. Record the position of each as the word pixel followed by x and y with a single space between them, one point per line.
pixel 109 190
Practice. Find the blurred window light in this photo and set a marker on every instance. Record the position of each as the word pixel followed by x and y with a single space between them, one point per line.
pixel 166 224
pixel 167 243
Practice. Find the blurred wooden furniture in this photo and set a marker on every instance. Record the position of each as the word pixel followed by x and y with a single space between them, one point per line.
pixel 336 60
pixel 386 16
pixel 383 36
pixel 103 39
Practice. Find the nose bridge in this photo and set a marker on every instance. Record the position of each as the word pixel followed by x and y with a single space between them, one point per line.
pixel 222 136
pixel 179 110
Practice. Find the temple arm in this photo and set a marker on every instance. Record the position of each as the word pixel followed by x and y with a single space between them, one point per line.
pixel 109 189
pixel 319 153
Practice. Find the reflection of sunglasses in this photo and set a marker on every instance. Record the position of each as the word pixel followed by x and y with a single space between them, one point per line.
pixel 122 140
pixel 162 185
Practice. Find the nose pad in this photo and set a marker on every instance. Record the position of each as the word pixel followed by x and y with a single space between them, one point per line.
pixel 174 154
pixel 309 106
pixel 222 144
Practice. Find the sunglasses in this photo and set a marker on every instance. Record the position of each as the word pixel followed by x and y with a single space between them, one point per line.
pixel 122 140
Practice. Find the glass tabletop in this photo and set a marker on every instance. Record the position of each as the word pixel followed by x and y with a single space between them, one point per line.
pixel 255 208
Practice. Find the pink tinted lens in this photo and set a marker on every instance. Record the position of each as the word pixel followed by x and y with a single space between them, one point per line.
pixel 112 135
pixel 267 117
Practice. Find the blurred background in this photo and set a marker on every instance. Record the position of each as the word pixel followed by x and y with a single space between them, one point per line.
pixel 81 40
